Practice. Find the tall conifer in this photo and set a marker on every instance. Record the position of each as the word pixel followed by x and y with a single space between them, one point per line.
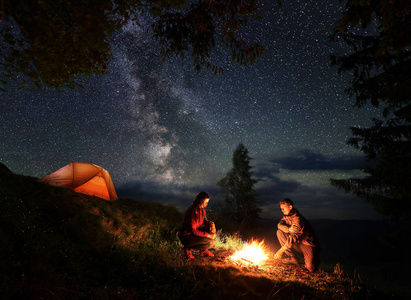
pixel 241 202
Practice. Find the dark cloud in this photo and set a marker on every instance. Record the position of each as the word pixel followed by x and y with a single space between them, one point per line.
pixel 270 187
pixel 180 196
pixel 308 160
pixel 276 190
pixel 266 172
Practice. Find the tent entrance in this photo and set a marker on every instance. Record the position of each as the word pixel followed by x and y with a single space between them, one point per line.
pixel 96 186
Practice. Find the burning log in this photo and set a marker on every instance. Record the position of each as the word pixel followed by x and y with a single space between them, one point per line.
pixel 246 260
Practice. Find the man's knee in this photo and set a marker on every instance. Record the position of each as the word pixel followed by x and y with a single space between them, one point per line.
pixel 281 236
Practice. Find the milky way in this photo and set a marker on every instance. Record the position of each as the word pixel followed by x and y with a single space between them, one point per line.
pixel 165 133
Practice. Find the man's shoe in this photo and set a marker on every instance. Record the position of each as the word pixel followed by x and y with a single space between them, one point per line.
pixel 206 253
pixel 188 253
pixel 290 261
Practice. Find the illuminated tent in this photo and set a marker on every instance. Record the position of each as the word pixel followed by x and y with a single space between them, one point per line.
pixel 83 178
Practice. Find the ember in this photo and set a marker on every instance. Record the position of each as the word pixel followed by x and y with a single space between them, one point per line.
pixel 250 254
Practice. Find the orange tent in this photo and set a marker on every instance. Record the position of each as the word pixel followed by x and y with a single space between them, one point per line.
pixel 83 178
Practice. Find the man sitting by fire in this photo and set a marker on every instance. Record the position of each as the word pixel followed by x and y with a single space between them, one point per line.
pixel 296 234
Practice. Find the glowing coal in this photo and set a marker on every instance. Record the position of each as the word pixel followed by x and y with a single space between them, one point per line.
pixel 253 253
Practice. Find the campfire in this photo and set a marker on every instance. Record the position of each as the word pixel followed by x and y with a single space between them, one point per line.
pixel 251 254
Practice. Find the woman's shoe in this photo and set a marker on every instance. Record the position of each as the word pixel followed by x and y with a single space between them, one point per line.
pixel 206 253
pixel 188 253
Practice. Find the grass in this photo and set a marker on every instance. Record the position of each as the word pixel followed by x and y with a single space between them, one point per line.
pixel 227 241
pixel 56 244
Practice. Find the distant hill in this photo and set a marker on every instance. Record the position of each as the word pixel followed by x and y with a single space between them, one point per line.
pixel 4 169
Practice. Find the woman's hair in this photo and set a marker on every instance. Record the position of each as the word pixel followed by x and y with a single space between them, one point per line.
pixel 287 201
pixel 199 199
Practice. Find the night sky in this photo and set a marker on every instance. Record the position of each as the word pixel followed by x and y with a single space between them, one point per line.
pixel 165 133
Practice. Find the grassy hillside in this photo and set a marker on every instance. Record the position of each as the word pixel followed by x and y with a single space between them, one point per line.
pixel 56 244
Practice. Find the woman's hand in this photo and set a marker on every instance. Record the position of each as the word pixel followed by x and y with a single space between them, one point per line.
pixel 212 235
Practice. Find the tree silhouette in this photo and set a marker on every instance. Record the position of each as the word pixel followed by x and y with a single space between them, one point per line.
pixel 381 66
pixel 241 202
pixel 52 42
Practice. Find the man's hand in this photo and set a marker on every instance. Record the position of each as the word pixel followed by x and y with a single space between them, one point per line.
pixel 279 253
pixel 283 226
pixel 294 229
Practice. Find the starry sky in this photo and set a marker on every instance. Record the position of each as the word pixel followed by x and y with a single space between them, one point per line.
pixel 165 133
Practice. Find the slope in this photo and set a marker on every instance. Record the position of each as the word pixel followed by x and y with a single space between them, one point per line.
pixel 57 244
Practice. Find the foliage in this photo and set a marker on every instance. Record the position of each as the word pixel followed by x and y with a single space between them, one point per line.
pixel 241 202
pixel 52 42
pixel 379 34
pixel 204 24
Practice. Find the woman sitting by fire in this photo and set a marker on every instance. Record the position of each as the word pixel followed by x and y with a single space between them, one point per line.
pixel 197 232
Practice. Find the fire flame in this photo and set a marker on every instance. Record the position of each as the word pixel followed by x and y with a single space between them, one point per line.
pixel 251 253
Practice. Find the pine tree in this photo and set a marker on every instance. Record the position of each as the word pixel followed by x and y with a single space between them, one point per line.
pixel 379 33
pixel 241 204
